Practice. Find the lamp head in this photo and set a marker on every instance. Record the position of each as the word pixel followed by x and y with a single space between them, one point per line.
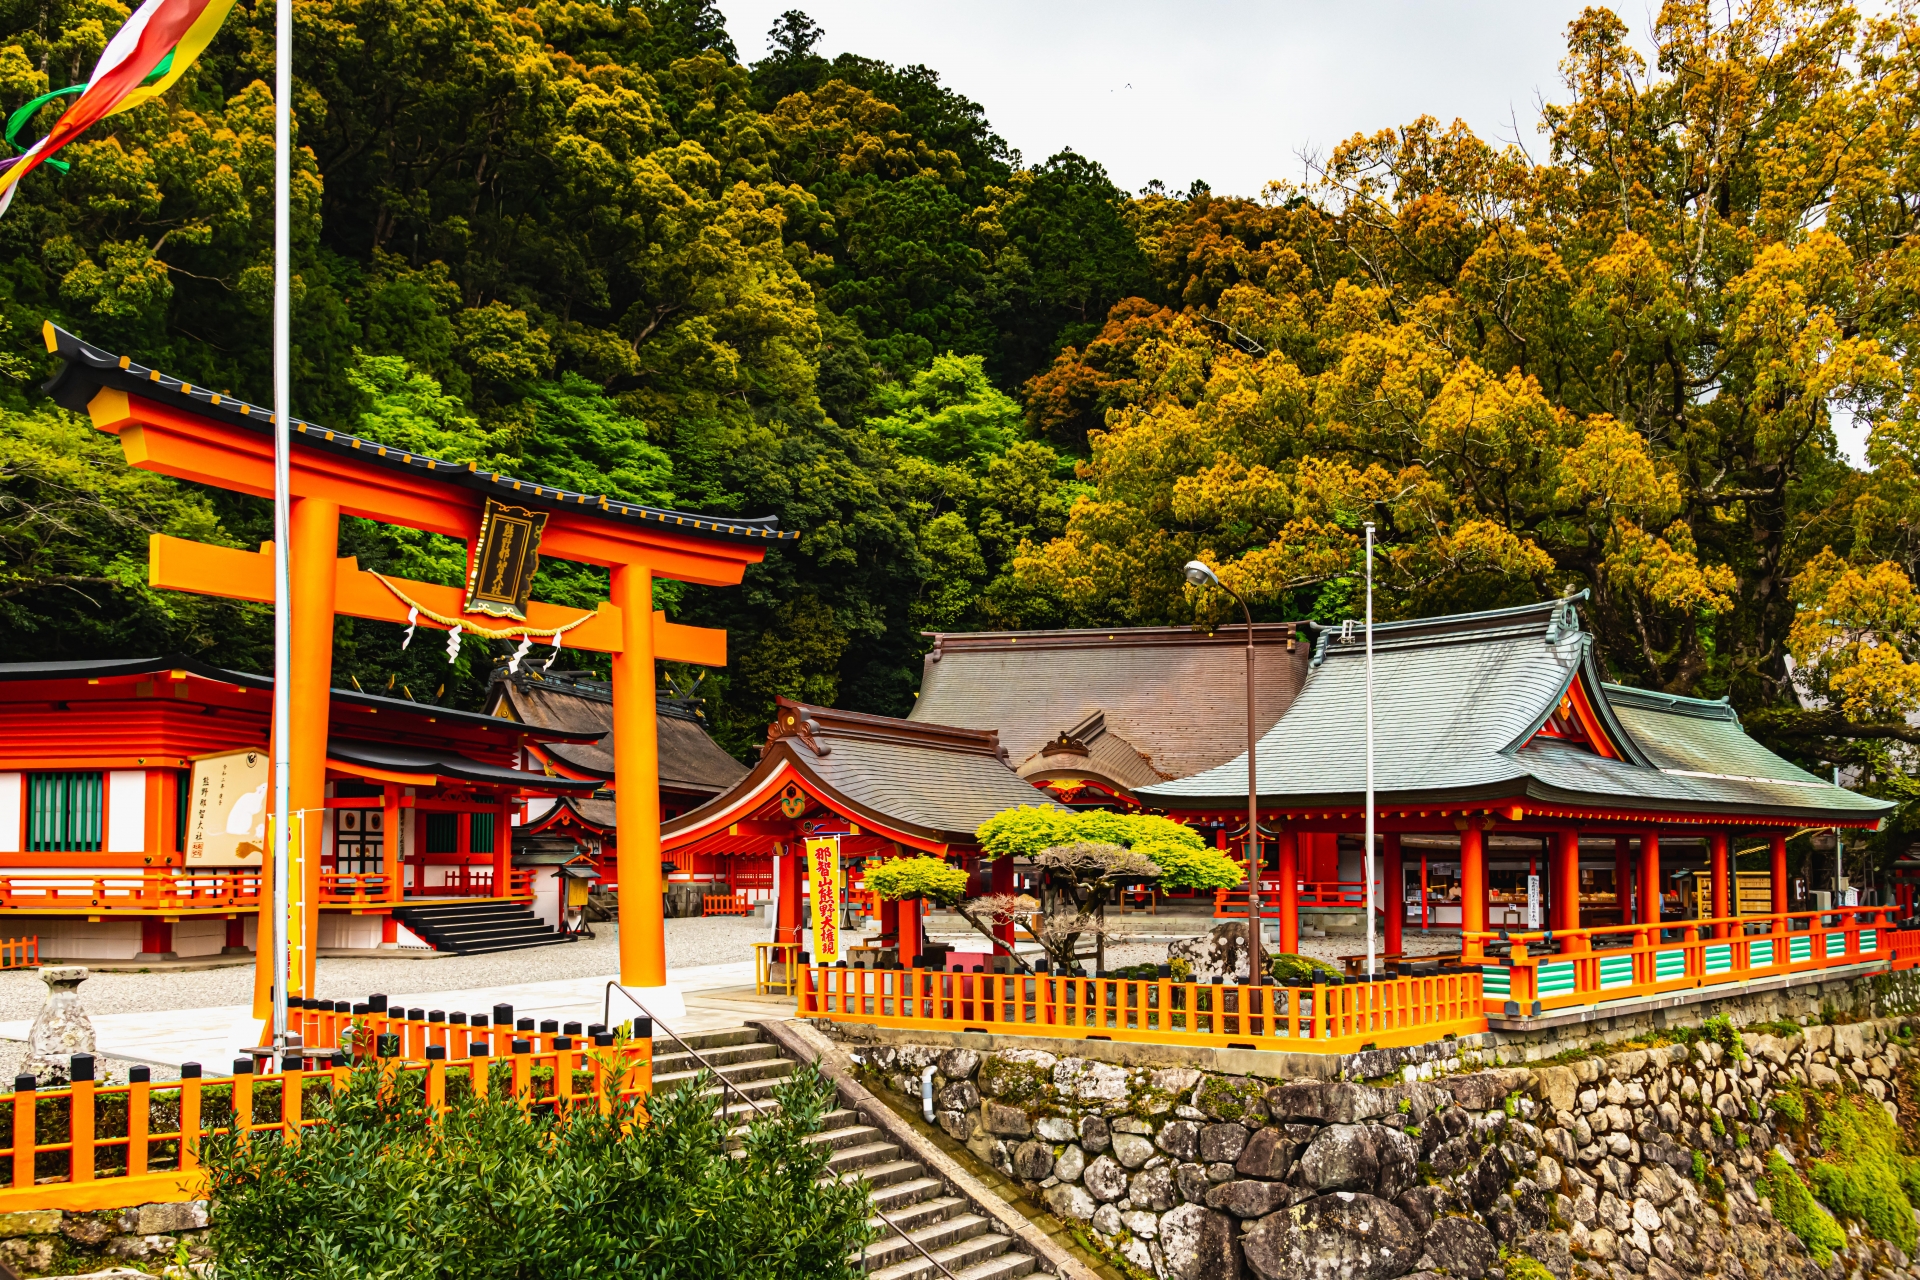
pixel 1200 575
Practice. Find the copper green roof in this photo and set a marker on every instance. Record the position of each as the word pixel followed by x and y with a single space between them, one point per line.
pixel 1458 703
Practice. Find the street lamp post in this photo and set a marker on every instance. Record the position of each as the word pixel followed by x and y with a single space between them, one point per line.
pixel 1200 575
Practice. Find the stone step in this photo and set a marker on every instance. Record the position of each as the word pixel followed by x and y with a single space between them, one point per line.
pixel 718 1056
pixel 984 1257
pixel 912 1215
pixel 863 1155
pixel 882 1175
pixel 839 1139
pixel 900 1196
pixel 890 1247
pixel 705 1040
pixel 738 1072
pixel 763 1078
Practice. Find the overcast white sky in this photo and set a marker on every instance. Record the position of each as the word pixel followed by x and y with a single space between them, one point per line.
pixel 1230 91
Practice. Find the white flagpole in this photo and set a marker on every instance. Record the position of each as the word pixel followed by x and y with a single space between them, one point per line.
pixel 1369 849
pixel 282 446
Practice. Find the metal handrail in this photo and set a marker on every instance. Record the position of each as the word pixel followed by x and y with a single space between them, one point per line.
pixel 606 1019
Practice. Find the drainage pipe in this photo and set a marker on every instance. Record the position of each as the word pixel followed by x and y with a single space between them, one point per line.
pixel 926 1094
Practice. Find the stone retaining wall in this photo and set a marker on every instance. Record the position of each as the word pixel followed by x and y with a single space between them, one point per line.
pixel 151 1237
pixel 1643 1162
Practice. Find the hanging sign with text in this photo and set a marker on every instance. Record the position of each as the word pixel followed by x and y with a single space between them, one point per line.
pixel 823 874
pixel 227 810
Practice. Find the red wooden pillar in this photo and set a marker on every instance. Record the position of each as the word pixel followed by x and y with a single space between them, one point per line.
pixel 1777 876
pixel 787 923
pixel 502 852
pixel 1002 884
pixel 1566 886
pixel 1650 886
pixel 1717 859
pixel 1473 891
pixel 1396 891
pixel 1287 854
pixel 1623 877
pixel 910 911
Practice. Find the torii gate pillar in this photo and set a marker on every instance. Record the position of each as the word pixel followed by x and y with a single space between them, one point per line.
pixel 636 754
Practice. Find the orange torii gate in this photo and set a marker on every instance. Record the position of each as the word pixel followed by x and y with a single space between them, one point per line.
pixel 192 433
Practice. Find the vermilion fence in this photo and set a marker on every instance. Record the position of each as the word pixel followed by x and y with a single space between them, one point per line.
pixel 726 904
pixel 1318 1019
pixel 20 953
pixel 86 1146
pixel 1232 903
pixel 1620 962
pixel 162 889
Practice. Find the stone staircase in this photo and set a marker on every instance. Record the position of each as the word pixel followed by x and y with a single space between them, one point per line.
pixel 479 928
pixel 945 1225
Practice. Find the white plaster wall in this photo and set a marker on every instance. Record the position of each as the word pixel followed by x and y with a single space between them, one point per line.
pixel 340 931
pixel 64 938
pixel 12 813
pixel 127 811
pixel 199 936
pixel 546 895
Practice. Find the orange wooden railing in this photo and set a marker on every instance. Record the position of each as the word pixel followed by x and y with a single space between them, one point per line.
pixel 135 889
pixel 86 1146
pixel 1906 948
pixel 20 953
pixel 475 882
pixel 1619 962
pixel 167 889
pixel 1232 903
pixel 1318 1019
pixel 727 904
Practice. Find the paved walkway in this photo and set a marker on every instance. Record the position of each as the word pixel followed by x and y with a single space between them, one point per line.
pixel 703 998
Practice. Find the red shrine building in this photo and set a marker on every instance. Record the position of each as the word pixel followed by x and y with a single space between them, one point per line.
pixel 1500 754
pixel 579 709
pixel 98 761
pixel 886 787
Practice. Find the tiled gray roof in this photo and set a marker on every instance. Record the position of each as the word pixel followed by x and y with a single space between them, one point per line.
pixel 689 759
pixel 931 788
pixel 1456 701
pixel 1176 695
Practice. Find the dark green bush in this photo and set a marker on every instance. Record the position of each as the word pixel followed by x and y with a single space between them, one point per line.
pixel 489 1191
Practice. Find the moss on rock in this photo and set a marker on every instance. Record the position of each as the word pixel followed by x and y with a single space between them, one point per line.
pixel 1795 1209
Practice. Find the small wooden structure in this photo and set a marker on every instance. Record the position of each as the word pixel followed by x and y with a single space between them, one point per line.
pixel 886 787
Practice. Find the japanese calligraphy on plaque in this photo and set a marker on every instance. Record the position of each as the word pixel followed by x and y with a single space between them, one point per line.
pixel 505 555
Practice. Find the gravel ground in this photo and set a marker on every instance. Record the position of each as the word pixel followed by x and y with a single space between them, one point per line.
pixel 690 943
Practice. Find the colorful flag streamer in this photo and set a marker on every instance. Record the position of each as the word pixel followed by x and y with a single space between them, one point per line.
pixel 156 46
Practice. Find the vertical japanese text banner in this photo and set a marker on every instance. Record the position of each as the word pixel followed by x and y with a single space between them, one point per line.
pixel 823 870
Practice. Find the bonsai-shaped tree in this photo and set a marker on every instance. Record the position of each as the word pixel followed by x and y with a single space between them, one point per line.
pixel 929 879
pixel 1085 858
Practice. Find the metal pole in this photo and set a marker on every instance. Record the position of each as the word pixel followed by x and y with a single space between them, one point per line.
pixel 282 446
pixel 1839 861
pixel 1254 941
pixel 1369 857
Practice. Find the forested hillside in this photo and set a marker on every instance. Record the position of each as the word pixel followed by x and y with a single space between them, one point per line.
pixel 584 244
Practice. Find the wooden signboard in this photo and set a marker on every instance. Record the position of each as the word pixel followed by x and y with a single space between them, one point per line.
pixel 227 810
pixel 505 555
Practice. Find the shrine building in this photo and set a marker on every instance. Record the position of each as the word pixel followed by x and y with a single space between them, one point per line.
pixel 1499 752
pixel 97 855
pixel 693 770
pixel 886 787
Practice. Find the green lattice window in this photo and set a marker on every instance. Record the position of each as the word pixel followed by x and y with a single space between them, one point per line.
pixel 443 833
pixel 480 833
pixel 63 812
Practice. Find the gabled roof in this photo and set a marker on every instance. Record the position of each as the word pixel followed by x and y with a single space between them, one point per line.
pixel 690 761
pixel 926 785
pixel 1176 697
pixel 376 758
pixel 1459 705
pixel 1090 750
pixel 87 368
